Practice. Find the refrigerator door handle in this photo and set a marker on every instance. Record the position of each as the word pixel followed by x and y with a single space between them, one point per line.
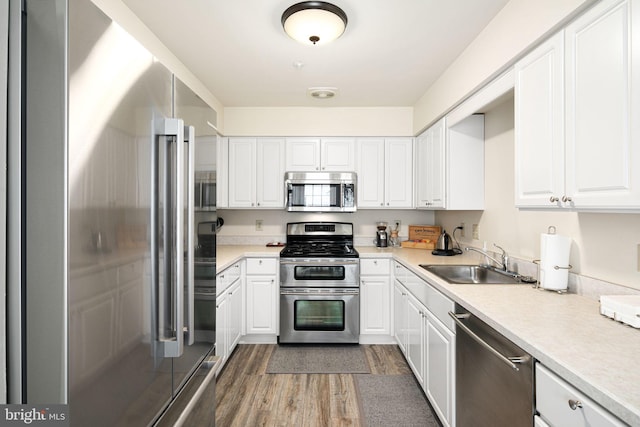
pixel 212 363
pixel 189 139
pixel 168 223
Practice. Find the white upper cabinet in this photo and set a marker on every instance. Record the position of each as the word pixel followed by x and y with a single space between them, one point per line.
pixel 320 154
pixel 430 161
pixel 602 107
pixel 450 165
pixel 385 176
pixel 576 97
pixel 539 124
pixel 256 172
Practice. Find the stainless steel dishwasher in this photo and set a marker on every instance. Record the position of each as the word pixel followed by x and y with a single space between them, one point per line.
pixel 494 377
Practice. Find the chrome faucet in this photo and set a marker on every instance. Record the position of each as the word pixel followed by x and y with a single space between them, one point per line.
pixel 504 257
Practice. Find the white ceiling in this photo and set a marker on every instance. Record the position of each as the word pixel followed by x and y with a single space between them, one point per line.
pixel 389 55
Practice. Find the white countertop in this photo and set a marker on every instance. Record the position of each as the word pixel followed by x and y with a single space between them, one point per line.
pixel 565 332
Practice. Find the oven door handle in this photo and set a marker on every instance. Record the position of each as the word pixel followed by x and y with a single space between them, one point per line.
pixel 323 292
pixel 314 261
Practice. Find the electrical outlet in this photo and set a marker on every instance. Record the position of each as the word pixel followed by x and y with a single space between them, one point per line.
pixel 462 233
pixel 474 232
pixel 258 225
pixel 393 224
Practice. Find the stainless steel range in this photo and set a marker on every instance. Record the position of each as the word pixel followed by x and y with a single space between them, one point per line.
pixel 319 284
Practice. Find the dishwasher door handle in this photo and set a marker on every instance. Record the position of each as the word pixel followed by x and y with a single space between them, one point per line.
pixel 510 361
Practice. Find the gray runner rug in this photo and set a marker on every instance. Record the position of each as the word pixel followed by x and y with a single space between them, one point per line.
pixel 393 400
pixel 324 359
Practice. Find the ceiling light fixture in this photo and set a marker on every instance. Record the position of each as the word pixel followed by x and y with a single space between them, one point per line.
pixel 314 22
pixel 322 92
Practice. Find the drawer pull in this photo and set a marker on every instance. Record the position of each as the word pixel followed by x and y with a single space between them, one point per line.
pixel 574 404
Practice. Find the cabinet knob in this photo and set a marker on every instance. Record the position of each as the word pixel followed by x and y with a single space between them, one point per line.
pixel 252 204
pixel 258 203
pixel 553 199
pixel 260 262
pixel 375 261
pixel 574 404
pixel 381 204
pixel 566 199
pixel 387 203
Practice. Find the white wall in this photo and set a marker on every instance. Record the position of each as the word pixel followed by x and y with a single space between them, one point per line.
pixel 519 24
pixel 605 246
pixel 240 224
pixel 299 121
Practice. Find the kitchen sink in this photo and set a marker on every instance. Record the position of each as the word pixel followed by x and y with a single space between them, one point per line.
pixel 474 274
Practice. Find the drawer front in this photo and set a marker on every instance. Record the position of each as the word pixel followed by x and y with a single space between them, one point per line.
pixel 227 277
pixel 400 272
pixel 440 306
pixel 262 265
pixel 561 404
pixel 379 267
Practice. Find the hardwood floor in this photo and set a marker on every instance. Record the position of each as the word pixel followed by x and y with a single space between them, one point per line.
pixel 247 396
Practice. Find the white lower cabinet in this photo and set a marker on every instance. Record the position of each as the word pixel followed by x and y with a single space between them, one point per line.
pixel 229 313
pixel 375 297
pixel 426 338
pixel 559 404
pixel 440 344
pixel 262 296
pixel 415 332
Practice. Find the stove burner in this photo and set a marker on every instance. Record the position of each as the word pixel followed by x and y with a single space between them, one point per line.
pixel 319 240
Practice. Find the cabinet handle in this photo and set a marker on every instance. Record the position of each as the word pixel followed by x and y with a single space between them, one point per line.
pixel 566 199
pixel 574 404
pixel 553 199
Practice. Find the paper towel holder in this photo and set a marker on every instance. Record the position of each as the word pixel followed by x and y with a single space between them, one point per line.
pixel 556 267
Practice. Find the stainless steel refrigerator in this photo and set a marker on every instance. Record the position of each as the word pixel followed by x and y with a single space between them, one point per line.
pixel 105 185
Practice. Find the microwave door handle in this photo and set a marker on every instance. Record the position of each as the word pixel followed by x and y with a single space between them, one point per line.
pixel 167 223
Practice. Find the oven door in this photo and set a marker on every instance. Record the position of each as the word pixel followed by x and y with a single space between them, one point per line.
pixel 310 315
pixel 319 273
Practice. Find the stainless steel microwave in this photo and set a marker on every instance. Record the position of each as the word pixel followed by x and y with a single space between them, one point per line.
pixel 205 191
pixel 320 191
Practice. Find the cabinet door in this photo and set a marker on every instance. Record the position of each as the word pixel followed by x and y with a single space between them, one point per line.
pixel 261 305
pixel 399 172
pixel 97 333
pixel 430 167
pixel 302 154
pixel 602 100
pixel 422 171
pixel 337 154
pixel 539 126
pixel 415 315
pixel 375 309
pixel 234 296
pixel 370 172
pixel 242 172
pixel 440 362
pixel 222 326
pixel 270 173
pixel 400 315
pixel 436 165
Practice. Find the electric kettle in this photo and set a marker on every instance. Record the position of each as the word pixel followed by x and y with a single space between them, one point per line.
pixel 444 246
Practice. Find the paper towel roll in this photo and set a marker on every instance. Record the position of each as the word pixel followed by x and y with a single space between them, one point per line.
pixel 554 251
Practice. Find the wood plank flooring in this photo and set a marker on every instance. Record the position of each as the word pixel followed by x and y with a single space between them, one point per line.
pixel 247 396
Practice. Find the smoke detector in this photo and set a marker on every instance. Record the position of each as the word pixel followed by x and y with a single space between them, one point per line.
pixel 322 92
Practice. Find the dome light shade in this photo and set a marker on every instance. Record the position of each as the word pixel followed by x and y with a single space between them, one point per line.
pixel 314 22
